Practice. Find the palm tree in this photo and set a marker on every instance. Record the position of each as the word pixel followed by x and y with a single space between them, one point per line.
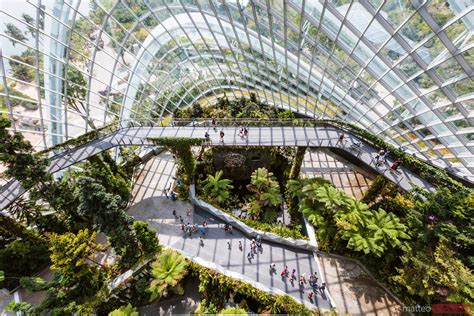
pixel 168 270
pixel 217 188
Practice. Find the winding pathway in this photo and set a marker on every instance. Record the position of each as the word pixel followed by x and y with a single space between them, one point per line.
pixel 325 137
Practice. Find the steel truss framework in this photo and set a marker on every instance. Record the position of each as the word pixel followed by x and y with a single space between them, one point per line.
pixel 403 69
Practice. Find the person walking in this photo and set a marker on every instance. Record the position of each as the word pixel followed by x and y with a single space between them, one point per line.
pixel 303 276
pixel 201 241
pixel 228 244
pixel 181 220
pixel 240 245
pixel 222 136
pixel 188 212
pixel 193 120
pixel 385 156
pixel 293 274
pixel 395 165
pixel 165 192
pixel 246 132
pixel 379 156
pixel 207 137
pixel 214 125
pixel 249 256
pixel 310 296
pixel 174 213
pixel 341 139
pixel 322 287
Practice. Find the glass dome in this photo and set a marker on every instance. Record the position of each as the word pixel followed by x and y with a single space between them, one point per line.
pixel 402 69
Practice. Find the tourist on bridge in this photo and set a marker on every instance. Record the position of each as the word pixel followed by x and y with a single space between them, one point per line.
pixel 395 165
pixel 385 156
pixel 222 136
pixel 246 132
pixel 207 137
pixel 379 157
pixel 214 124
pixel 341 139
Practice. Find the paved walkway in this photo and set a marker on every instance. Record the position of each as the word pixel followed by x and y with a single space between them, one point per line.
pixel 157 211
pixel 258 136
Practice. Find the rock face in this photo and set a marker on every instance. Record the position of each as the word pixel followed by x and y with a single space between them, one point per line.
pixel 238 164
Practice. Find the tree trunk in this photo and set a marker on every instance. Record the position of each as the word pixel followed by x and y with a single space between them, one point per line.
pixel 296 167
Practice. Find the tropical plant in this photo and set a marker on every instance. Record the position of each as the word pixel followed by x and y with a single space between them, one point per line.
pixel 332 198
pixel 373 232
pixel 267 192
pixel 233 311
pixel 168 270
pixel 218 189
pixel 72 255
pixel 146 237
pixel 436 276
pixel 104 210
pixel 17 155
pixel 128 310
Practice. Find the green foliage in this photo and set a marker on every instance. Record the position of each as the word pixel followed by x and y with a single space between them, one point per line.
pixel 181 148
pixel 23 65
pixel 217 189
pixel 128 310
pixel 104 210
pixel 18 307
pixel 105 170
pixel 33 284
pixel 267 192
pixel 216 287
pixel 17 155
pixel 167 271
pixel 71 255
pixel 436 276
pixel 232 311
pixel 26 248
pixel 374 232
pixel 75 92
pixel 15 33
pixel 146 236
pixel 337 216
pixel 381 186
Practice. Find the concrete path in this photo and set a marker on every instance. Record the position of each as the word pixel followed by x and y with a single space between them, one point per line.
pixel 258 136
pixel 157 211
pixel 354 291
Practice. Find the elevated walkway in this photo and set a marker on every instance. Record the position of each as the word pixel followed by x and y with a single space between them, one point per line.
pixel 320 136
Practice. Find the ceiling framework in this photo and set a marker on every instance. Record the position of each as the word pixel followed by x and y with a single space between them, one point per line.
pixel 402 69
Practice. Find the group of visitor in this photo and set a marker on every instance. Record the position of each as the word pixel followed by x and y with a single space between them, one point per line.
pixel 312 281
pixel 243 133
pixel 381 158
pixel 170 194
